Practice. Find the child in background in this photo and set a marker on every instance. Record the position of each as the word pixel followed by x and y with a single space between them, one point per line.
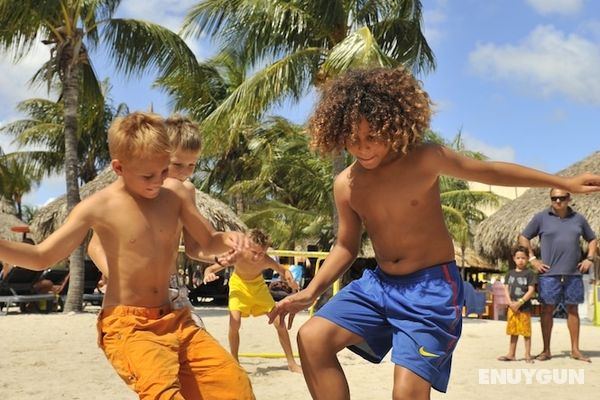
pixel 519 289
pixel 249 294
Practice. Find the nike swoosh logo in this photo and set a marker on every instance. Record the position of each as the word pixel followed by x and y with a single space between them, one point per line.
pixel 425 353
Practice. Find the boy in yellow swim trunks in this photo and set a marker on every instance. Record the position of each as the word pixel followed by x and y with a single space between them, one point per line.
pixel 249 294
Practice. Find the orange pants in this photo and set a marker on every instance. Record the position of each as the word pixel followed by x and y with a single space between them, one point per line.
pixel 162 354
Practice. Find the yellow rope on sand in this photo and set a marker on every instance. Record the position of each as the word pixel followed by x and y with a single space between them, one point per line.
pixel 265 355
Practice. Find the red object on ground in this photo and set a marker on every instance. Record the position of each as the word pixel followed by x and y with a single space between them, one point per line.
pixel 20 229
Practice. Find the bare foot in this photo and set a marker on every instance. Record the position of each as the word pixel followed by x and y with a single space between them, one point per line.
pixel 543 357
pixel 580 357
pixel 506 358
pixel 529 360
pixel 295 368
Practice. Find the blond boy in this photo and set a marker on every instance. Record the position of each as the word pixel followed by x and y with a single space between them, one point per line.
pixel 186 145
pixel 249 294
pixel 157 351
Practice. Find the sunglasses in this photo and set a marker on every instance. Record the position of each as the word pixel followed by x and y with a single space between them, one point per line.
pixel 557 198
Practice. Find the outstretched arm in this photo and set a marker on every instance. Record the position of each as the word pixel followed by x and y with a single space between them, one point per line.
pixel 285 273
pixel 339 259
pixel 506 174
pixel 210 273
pixel 55 248
pixel 200 230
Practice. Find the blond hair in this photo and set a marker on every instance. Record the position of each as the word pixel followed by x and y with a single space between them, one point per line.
pixel 183 133
pixel 138 135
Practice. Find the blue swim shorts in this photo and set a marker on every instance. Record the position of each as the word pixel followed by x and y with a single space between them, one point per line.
pixel 554 288
pixel 418 316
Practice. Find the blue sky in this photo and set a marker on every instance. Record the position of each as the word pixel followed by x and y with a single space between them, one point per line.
pixel 519 78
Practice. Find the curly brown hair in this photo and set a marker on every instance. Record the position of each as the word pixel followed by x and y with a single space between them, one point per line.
pixel 391 100
pixel 260 238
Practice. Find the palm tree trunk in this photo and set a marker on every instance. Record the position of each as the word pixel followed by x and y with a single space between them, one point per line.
pixel 70 82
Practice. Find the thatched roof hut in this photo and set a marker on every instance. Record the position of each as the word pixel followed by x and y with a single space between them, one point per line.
pixel 498 234
pixel 7 221
pixel 50 217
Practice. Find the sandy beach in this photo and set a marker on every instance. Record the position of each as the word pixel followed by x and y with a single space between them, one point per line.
pixel 55 357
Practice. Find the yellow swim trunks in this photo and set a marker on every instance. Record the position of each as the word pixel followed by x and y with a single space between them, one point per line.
pixel 249 297
pixel 518 323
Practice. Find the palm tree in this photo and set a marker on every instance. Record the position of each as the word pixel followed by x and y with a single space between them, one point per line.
pixel 296 45
pixel 70 28
pixel 290 187
pixel 303 43
pixel 43 132
pixel 16 180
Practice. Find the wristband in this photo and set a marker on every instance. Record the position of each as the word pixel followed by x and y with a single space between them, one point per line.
pixel 218 262
pixel 532 258
pixel 521 301
pixel 590 258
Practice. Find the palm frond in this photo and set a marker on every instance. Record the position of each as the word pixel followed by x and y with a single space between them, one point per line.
pixel 137 46
pixel 288 77
pixel 360 49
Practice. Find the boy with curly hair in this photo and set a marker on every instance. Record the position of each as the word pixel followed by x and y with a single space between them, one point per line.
pixel 249 294
pixel 412 302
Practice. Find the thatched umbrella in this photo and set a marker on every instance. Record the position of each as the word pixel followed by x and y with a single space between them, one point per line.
pixel 7 221
pixel 498 234
pixel 50 217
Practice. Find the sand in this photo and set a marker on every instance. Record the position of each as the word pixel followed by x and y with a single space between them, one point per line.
pixel 55 357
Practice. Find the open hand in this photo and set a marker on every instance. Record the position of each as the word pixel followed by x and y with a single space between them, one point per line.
pixel 584 266
pixel 584 183
pixel 291 305
pixel 209 277
pixel 539 266
pixel 238 241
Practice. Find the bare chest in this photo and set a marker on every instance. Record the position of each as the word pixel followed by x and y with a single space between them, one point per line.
pixel 392 197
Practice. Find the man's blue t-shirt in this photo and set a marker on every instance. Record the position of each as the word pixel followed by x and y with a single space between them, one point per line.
pixel 559 240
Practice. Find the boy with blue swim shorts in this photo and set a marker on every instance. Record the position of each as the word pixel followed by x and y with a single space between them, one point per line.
pixel 412 302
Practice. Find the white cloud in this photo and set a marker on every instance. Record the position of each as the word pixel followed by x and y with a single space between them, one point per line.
pixel 14 80
pixel 49 189
pixel 562 7
pixel 504 153
pixel 547 62
pixel 168 13
pixel 433 19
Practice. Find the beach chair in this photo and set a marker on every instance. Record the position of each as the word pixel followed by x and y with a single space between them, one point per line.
pixel 91 277
pixel 16 289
